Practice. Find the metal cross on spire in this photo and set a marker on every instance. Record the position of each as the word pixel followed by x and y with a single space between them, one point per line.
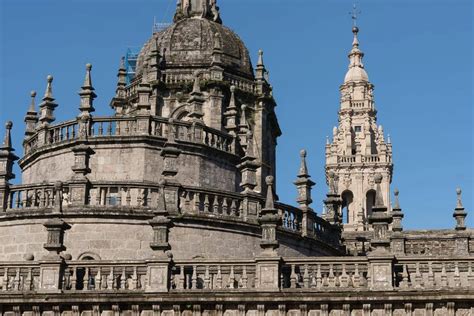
pixel 355 14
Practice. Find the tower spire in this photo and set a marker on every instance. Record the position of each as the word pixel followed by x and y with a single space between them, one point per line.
pixel 356 72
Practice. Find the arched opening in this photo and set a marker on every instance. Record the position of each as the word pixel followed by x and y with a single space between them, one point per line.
pixel 347 199
pixel 370 201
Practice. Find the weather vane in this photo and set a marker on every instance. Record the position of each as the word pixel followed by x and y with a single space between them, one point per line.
pixel 355 14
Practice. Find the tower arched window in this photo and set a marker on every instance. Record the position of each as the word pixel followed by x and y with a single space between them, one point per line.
pixel 347 206
pixel 369 201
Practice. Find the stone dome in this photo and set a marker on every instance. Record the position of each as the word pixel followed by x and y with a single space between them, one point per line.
pixel 189 43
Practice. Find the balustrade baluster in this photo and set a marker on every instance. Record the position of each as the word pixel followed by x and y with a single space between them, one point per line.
pixel 101 128
pixel 293 277
pixel 244 278
pixel 207 279
pixel 219 278
pixel 233 208
pixel 73 279
pixel 206 203
pixel 5 280
pixel 181 279
pixel 17 202
pixel 215 204
pixel 28 285
pixel 225 206
pixel 194 278
pixel 306 278
pixel 232 281
pixel 110 279
pixel 128 197
pixel 117 128
pixel 86 280
pixel 123 279
pixel 109 128
pixel 134 284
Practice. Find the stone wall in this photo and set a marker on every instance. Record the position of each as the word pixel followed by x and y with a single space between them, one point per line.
pixel 127 239
pixel 266 306
pixel 22 237
pixel 138 162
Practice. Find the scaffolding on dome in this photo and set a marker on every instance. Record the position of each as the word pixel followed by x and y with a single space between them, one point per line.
pixel 131 57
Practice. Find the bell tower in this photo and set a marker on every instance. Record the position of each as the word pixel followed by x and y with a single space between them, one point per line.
pixel 359 152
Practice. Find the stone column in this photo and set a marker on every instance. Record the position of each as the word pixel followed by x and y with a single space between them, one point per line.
pixel 268 264
pixel 380 258
pixel 52 265
pixel 397 238
pixel 7 158
pixel 79 186
pixel 462 237
pixel 159 267
pixel 304 185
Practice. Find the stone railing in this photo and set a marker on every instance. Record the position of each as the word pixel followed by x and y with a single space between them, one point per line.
pixel 422 273
pixel 307 224
pixel 99 127
pixel 353 159
pixel 31 196
pixel 211 203
pixel 104 276
pixel 19 276
pixel 213 275
pixel 321 274
pixel 309 274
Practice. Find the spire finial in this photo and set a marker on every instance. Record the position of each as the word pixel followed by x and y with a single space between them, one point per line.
pixel 88 79
pixel 378 195
pixel 260 58
pixel 47 106
pixel 396 204
pixel 459 198
pixel 49 89
pixel 355 15
pixel 32 104
pixel 303 167
pixel 7 142
pixel 87 94
pixel 269 203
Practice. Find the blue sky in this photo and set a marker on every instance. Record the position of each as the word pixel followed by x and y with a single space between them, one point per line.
pixel 419 55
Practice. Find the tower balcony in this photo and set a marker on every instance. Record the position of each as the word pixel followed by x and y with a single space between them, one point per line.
pixel 359 159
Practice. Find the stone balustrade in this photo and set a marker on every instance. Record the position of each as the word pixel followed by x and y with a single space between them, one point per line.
pixel 320 275
pixel 31 196
pixel 307 224
pixel 422 273
pixel 100 127
pixel 104 276
pixel 19 276
pixel 354 159
pixel 213 275
pixel 199 201
pixel 309 274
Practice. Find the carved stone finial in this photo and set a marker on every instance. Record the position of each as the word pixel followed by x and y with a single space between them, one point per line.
pixel 7 141
pixel 47 105
pixel 260 58
pixel 32 104
pixel 378 196
pixel 269 203
pixel 459 198
pixel 396 204
pixel 87 94
pixel 49 90
pixel 459 212
pixel 303 172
